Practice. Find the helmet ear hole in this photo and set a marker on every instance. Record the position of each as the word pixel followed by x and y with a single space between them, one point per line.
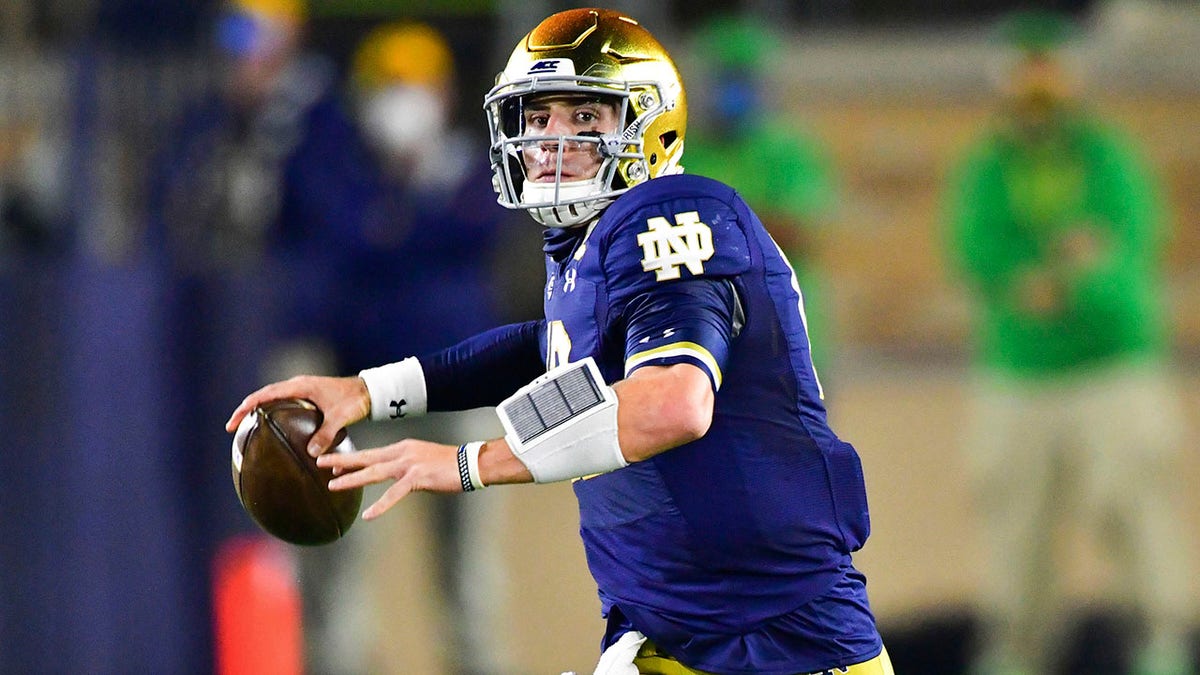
pixel 668 139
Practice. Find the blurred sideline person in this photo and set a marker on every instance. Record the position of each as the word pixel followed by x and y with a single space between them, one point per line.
pixel 240 196
pixel 670 380
pixel 1058 227
pixel 783 172
pixel 414 273
pixel 252 177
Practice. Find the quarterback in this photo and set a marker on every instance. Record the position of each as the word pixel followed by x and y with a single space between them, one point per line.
pixel 670 379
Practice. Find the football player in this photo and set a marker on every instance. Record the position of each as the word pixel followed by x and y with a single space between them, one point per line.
pixel 671 380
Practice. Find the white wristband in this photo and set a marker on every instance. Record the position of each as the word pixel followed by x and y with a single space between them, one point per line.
pixel 472 450
pixel 397 389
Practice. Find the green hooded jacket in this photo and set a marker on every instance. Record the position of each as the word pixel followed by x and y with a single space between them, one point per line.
pixel 1020 204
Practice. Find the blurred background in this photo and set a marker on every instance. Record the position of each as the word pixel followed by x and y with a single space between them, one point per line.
pixel 164 250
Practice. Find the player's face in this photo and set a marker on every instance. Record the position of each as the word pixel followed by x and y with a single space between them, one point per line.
pixel 555 116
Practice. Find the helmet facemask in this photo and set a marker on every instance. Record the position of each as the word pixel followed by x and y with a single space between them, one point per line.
pixel 620 153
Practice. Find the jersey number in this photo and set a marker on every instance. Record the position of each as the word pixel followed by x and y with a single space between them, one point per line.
pixel 558 345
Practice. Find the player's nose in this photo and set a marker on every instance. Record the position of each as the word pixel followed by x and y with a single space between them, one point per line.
pixel 559 124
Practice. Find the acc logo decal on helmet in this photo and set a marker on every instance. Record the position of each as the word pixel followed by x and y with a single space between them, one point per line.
pixel 553 67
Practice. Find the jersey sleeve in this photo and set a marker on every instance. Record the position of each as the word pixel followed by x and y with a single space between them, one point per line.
pixel 668 264
pixel 688 322
pixel 485 369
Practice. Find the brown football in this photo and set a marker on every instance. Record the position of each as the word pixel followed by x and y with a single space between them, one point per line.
pixel 280 485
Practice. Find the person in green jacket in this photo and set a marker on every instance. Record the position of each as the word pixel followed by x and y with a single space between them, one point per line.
pixel 1057 228
pixel 782 171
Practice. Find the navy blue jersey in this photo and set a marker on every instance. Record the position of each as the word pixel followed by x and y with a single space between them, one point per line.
pixel 731 552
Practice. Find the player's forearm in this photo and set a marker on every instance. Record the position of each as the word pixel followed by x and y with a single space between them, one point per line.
pixel 499 466
pixel 484 369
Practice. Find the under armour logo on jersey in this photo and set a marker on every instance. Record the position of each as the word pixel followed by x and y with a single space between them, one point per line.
pixel 666 247
pixel 665 334
pixel 569 280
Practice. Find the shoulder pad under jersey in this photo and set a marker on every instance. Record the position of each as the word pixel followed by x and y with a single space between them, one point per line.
pixel 673 228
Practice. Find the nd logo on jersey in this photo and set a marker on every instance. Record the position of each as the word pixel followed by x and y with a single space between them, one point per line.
pixel 665 246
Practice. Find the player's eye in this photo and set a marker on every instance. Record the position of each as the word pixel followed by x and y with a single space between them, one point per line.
pixel 586 116
pixel 536 120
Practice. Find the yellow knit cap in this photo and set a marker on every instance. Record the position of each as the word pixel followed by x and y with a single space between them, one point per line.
pixel 292 11
pixel 407 52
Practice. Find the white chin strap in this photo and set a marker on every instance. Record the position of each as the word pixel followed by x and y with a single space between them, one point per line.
pixel 555 213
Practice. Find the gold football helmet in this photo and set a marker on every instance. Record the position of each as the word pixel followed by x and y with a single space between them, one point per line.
pixel 601 54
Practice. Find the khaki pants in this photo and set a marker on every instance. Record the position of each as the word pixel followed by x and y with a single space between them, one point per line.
pixel 1096 450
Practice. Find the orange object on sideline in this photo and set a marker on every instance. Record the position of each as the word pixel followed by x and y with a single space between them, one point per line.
pixel 256 607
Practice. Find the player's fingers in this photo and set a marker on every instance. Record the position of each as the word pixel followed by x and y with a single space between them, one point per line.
pixel 234 420
pixel 240 412
pixel 342 463
pixel 390 497
pixel 355 479
pixel 342 406
pixel 322 438
pixel 346 461
pixel 270 392
pixel 367 471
